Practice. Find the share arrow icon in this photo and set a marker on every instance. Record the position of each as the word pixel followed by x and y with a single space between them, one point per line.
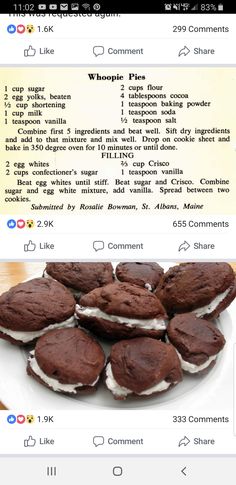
pixel 184 246
pixel 184 441
pixel 184 51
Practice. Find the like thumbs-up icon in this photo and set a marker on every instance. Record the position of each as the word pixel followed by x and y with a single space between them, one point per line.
pixel 29 247
pixel 30 442
pixel 30 52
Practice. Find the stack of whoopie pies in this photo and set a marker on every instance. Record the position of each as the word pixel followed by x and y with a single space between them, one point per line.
pixel 159 325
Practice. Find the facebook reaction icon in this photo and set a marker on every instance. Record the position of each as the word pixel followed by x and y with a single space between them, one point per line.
pixel 11 224
pixel 11 419
pixel 11 29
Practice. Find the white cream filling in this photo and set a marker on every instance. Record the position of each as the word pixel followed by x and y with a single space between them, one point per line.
pixel 54 383
pixel 77 293
pixel 148 324
pixel 29 336
pixel 121 391
pixel 199 312
pixel 148 286
pixel 193 368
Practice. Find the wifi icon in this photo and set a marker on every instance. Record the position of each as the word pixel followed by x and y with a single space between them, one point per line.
pixel 86 6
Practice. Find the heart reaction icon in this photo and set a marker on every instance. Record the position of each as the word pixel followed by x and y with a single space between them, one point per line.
pixel 20 223
pixel 20 29
pixel 20 419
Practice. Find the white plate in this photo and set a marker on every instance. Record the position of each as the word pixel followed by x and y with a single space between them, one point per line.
pixel 19 390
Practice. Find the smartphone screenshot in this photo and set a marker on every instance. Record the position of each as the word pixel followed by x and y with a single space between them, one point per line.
pixel 118 261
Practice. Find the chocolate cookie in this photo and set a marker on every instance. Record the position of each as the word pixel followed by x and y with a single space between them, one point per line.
pixel 197 341
pixel 67 360
pixel 142 367
pixel 146 275
pixel 80 278
pixel 122 310
pixel 30 309
pixel 203 288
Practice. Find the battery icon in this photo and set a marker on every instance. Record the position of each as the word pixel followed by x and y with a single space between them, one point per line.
pixel 220 7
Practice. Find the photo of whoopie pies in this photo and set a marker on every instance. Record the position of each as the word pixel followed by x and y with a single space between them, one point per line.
pixel 67 361
pixel 142 367
pixel 162 330
pixel 197 342
pixel 30 309
pixel 80 278
pixel 122 310
pixel 146 275
pixel 203 288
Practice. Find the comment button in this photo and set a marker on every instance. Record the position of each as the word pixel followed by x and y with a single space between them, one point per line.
pixel 98 441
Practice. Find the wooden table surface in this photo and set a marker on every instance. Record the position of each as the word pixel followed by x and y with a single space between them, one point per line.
pixel 13 273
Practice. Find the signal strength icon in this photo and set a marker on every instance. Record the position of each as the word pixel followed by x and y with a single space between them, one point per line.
pixel 195 7
pixel 86 6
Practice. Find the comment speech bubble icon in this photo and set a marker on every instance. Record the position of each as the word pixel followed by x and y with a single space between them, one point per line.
pixel 98 440
pixel 98 245
pixel 98 50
